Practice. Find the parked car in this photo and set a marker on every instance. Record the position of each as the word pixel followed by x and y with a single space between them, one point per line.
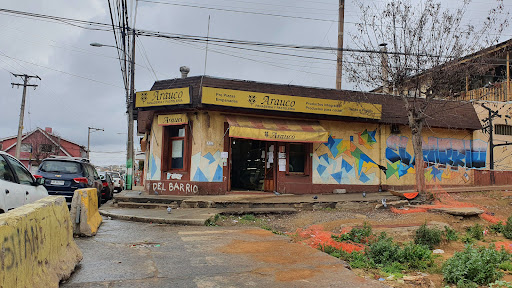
pixel 17 186
pixel 63 175
pixel 108 186
pixel 118 181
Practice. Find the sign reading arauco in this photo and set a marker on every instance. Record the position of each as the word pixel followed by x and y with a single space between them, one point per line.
pixel 173 119
pixel 163 97
pixel 256 100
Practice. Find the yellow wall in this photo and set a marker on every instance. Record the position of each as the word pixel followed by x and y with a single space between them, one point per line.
pixel 207 144
pixel 502 158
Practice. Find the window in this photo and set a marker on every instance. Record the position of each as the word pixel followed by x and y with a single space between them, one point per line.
pixel 23 175
pixel 26 147
pixel 61 167
pixel 297 158
pixel 5 171
pixel 500 129
pixel 175 147
pixel 46 148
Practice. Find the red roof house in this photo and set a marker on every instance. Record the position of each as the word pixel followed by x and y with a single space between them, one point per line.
pixel 39 144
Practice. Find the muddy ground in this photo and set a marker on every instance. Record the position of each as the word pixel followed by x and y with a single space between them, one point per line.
pixel 399 226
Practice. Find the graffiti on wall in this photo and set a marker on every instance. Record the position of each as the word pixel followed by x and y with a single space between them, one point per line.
pixel 446 158
pixel 154 161
pixel 21 246
pixel 206 168
pixel 347 163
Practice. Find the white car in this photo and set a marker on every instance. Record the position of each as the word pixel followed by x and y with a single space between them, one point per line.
pixel 17 186
pixel 118 181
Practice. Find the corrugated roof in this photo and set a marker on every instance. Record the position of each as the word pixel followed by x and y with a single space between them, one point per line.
pixel 440 113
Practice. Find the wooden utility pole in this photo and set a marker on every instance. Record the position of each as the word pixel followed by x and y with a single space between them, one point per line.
pixel 339 62
pixel 131 100
pixel 22 112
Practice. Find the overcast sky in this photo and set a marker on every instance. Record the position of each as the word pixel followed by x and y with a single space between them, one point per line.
pixel 82 87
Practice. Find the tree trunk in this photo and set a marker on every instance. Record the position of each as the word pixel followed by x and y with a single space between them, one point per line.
pixel 417 145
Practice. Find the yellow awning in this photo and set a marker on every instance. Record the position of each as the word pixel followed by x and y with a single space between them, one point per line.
pixel 270 129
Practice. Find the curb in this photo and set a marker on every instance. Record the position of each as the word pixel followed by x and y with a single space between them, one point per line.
pixel 181 222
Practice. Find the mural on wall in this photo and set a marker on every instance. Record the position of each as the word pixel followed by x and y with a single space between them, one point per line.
pixel 206 168
pixel 446 158
pixel 154 161
pixel 347 163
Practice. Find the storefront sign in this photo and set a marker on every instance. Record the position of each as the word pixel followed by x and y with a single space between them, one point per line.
pixel 172 119
pixel 256 100
pixel 162 97
pixel 282 136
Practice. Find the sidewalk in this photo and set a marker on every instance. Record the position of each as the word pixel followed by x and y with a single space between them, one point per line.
pixel 135 205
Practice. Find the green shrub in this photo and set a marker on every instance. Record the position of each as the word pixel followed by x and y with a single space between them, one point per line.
pixel 476 232
pixel 383 251
pixel 357 235
pixel 468 239
pixel 507 230
pixel 497 228
pixel 416 256
pixel 478 265
pixel 430 237
pixel 450 234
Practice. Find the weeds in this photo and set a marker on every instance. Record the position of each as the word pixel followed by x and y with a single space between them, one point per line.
pixel 476 232
pixel 497 228
pixel 450 234
pixel 430 237
pixel 212 221
pixel 474 266
pixel 357 235
pixel 507 230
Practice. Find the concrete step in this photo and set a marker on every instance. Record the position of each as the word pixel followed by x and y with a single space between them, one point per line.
pixel 146 205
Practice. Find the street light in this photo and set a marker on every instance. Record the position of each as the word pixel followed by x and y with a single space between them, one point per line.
pixel 89 138
pixel 129 100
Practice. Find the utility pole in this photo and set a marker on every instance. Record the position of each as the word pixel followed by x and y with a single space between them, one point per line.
pixel 129 152
pixel 339 62
pixel 22 112
pixel 490 129
pixel 89 138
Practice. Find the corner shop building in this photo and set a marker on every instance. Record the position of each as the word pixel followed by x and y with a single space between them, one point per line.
pixel 207 135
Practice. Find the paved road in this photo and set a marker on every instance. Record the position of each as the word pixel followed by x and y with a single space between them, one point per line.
pixel 129 254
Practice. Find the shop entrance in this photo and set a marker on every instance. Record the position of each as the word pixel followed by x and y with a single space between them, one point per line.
pixel 252 166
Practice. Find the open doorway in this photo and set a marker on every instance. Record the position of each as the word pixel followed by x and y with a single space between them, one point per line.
pixel 252 166
pixel 248 164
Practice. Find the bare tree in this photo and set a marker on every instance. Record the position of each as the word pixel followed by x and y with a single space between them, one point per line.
pixel 425 49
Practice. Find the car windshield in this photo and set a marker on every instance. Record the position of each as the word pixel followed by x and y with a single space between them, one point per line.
pixel 114 174
pixel 63 167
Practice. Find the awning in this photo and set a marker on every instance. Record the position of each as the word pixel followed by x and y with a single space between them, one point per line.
pixel 271 129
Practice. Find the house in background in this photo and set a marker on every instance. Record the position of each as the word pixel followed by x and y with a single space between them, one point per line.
pixel 40 144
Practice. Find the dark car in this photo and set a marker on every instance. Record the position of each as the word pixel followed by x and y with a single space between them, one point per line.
pixel 108 186
pixel 63 175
